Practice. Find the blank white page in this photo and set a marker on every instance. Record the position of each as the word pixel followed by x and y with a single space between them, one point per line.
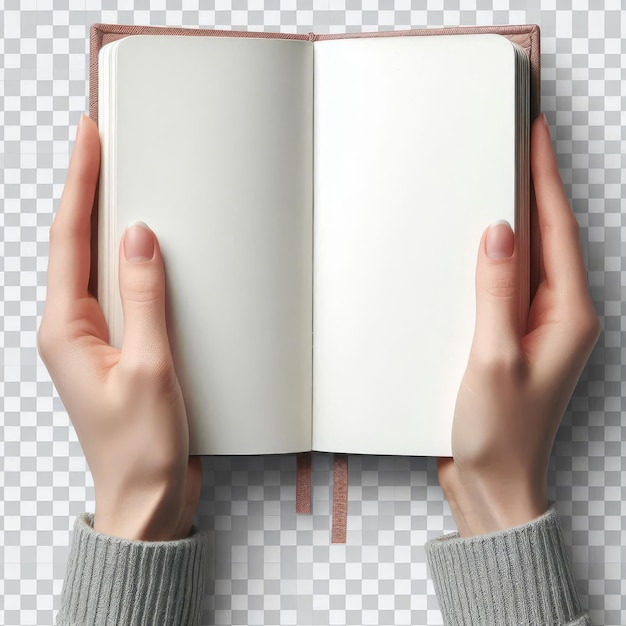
pixel 211 146
pixel 414 155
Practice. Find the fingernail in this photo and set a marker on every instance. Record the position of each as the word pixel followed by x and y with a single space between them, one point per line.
pixel 138 243
pixel 544 119
pixel 500 241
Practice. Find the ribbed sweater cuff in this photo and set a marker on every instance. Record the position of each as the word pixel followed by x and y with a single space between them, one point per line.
pixel 112 581
pixel 520 576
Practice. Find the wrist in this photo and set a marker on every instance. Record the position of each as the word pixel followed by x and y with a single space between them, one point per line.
pixel 481 508
pixel 473 522
pixel 142 516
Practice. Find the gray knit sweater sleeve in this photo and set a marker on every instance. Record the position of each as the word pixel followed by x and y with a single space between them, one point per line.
pixel 111 581
pixel 517 577
pixel 520 576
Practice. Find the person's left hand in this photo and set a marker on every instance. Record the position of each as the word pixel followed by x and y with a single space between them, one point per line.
pixel 126 405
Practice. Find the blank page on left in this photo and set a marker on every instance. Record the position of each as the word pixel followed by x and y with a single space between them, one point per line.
pixel 209 141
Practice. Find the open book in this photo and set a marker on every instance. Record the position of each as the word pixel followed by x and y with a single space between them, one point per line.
pixel 319 207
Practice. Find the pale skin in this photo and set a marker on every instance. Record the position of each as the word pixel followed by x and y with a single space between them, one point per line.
pixel 128 411
pixel 126 406
pixel 517 384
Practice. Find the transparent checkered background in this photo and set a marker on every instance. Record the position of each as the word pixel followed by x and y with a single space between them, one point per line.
pixel 270 566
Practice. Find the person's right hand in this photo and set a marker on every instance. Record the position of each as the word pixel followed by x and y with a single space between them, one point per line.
pixel 517 386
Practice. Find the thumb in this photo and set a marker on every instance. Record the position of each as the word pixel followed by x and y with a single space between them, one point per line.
pixel 497 290
pixel 142 291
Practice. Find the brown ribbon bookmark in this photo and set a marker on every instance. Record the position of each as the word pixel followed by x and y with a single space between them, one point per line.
pixel 303 482
pixel 340 498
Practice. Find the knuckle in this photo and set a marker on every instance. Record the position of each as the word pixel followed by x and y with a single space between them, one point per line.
pixel 143 291
pixel 46 340
pixel 62 231
pixel 149 370
pixel 501 364
pixel 581 323
pixel 589 328
pixel 502 287
pixel 567 226
pixel 592 326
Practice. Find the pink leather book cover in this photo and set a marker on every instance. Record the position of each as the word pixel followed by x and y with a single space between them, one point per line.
pixel 526 36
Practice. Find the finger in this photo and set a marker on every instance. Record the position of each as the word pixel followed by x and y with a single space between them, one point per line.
pixel 497 292
pixel 142 291
pixel 561 255
pixel 69 263
pixel 537 274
